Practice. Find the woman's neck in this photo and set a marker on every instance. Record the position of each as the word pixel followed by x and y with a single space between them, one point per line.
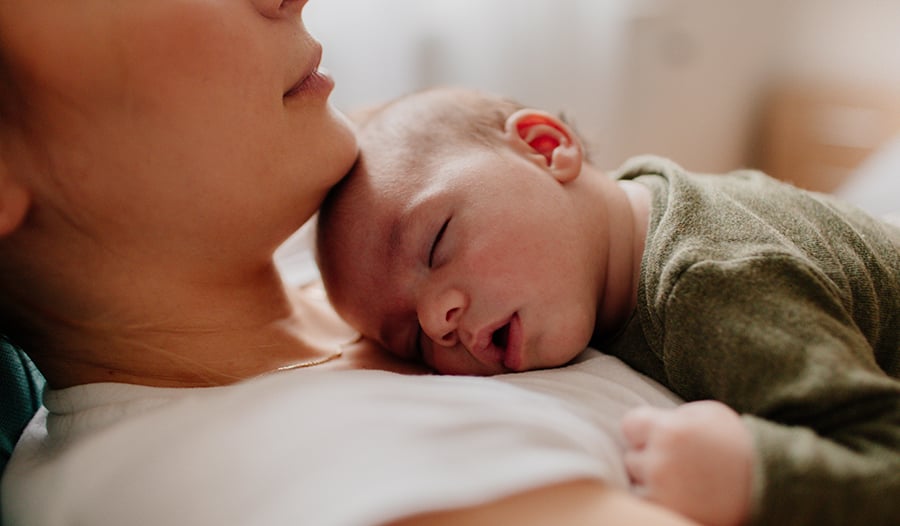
pixel 192 332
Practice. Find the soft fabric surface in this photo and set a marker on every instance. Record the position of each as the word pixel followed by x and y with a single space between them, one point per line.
pixel 307 447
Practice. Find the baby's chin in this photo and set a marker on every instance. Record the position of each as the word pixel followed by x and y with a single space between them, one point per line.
pixel 556 358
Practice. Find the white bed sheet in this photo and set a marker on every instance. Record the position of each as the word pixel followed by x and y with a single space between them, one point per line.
pixel 875 185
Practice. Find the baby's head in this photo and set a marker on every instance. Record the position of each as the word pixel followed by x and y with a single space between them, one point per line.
pixel 456 239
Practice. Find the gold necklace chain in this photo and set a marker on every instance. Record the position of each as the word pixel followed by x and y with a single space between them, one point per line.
pixel 315 362
pixel 308 363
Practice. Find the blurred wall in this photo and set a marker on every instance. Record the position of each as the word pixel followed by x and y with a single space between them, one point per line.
pixel 690 79
pixel 560 55
pixel 855 41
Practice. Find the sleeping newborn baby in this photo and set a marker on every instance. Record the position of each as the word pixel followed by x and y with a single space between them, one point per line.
pixel 474 235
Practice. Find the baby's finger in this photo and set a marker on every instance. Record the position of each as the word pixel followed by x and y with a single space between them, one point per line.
pixel 635 466
pixel 637 425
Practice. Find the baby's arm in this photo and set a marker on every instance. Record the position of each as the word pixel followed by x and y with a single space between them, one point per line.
pixel 695 459
pixel 817 398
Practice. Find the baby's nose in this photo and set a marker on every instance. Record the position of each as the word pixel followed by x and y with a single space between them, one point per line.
pixel 440 317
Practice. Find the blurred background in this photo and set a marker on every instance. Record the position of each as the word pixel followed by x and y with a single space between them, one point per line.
pixel 808 90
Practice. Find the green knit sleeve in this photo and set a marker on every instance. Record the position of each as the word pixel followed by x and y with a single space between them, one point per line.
pixel 773 338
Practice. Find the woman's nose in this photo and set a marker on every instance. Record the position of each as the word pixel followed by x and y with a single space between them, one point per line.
pixel 439 316
pixel 279 8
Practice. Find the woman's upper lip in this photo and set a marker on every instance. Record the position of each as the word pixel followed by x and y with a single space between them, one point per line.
pixel 310 68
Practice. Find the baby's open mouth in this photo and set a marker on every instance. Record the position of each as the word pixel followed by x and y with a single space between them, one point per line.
pixel 500 338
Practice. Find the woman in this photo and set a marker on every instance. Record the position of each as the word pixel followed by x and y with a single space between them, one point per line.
pixel 154 155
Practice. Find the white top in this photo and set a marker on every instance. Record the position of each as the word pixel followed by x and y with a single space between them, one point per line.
pixel 318 448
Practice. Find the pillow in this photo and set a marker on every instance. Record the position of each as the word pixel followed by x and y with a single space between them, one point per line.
pixel 21 388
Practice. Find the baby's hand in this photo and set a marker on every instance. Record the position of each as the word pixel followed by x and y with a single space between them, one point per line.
pixel 695 459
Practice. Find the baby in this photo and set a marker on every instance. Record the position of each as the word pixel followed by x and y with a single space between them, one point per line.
pixel 473 234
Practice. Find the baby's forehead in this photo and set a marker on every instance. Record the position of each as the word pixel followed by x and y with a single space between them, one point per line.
pixel 386 179
pixel 369 207
pixel 372 194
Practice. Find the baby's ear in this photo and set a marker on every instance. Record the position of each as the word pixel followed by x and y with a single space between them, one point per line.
pixel 14 202
pixel 547 141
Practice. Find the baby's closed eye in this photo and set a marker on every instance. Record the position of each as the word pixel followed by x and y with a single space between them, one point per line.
pixel 434 245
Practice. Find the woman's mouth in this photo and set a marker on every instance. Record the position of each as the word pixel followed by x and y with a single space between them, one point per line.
pixel 315 80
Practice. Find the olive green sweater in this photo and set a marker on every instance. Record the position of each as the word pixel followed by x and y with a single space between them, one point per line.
pixel 785 305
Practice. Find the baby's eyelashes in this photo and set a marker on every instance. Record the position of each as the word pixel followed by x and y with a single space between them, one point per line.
pixel 436 242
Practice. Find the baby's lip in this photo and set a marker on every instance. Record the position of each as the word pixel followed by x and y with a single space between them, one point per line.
pixel 515 337
pixel 492 342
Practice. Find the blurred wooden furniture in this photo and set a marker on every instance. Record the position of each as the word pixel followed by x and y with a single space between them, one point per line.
pixel 815 136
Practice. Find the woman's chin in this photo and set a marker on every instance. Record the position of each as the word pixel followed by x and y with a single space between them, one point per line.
pixel 346 148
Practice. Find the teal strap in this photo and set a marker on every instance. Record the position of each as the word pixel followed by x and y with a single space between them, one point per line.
pixel 21 388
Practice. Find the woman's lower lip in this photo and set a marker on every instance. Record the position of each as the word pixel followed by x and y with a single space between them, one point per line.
pixel 512 359
pixel 319 82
